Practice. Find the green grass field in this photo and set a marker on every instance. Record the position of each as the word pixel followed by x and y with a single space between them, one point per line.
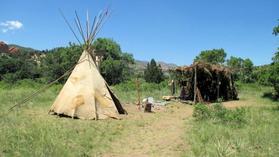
pixel 259 136
pixel 30 131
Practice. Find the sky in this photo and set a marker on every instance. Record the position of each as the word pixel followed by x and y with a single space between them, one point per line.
pixel 173 31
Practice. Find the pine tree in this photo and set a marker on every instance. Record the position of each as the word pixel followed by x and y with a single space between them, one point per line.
pixel 153 73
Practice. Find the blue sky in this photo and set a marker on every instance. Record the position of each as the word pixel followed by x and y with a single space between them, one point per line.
pixel 173 31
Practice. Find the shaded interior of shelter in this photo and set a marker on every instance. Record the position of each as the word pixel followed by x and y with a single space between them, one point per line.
pixel 213 82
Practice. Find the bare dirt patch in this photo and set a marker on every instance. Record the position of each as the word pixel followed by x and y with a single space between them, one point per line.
pixel 161 133
pixel 153 134
pixel 234 104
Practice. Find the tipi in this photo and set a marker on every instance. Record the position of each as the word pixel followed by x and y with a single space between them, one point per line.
pixel 86 95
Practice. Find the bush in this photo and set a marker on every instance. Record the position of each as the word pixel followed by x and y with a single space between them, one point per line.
pixel 219 111
pixel 236 116
pixel 10 78
pixel 219 114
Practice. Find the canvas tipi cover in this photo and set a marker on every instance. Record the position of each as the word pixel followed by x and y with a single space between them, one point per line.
pixel 86 94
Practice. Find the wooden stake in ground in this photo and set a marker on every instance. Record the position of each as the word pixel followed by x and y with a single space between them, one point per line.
pixel 138 93
pixel 195 85
pixel 218 86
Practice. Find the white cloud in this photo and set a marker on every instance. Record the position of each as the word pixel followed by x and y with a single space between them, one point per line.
pixel 10 25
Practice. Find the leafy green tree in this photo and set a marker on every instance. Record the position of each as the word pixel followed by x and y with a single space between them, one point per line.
pixel 274 77
pixel 247 71
pixel 115 65
pixel 111 69
pixel 153 72
pixel 261 74
pixel 275 59
pixel 108 48
pixel 274 68
pixel 18 66
pixel 215 56
pixel 235 63
pixel 276 30
pixel 242 68
pixel 59 60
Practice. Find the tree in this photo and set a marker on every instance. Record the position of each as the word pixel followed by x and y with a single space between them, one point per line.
pixel 115 65
pixel 58 61
pixel 153 73
pixel 242 68
pixel 235 63
pixel 112 70
pixel 275 58
pixel 247 70
pixel 262 74
pixel 18 66
pixel 276 30
pixel 215 56
pixel 274 68
pixel 108 47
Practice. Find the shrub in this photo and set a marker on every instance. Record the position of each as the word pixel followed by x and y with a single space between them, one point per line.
pixel 219 114
pixel 236 116
pixel 219 111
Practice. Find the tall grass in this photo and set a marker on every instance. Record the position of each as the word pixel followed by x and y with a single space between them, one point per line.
pixel 259 136
pixel 30 131
pixel 127 92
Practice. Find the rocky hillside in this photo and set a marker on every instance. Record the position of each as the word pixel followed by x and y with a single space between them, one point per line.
pixel 141 65
pixel 5 48
pixel 22 48
pixel 14 49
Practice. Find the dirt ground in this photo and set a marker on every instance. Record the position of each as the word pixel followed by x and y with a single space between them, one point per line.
pixel 157 134
pixel 234 104
pixel 161 133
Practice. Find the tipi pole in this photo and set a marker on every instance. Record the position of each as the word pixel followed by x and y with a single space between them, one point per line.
pixel 33 95
pixel 67 22
pixel 96 112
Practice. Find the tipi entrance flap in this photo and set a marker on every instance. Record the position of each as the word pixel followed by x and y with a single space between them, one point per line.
pixel 117 103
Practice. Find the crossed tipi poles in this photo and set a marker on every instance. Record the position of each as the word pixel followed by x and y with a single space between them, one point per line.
pixel 86 94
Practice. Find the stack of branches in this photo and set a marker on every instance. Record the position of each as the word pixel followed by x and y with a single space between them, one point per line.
pixel 206 82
